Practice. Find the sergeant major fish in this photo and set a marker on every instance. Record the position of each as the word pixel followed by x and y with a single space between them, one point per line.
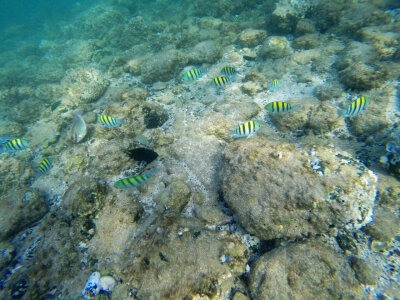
pixel 355 107
pixel 192 75
pixel 228 71
pixel 278 106
pixel 45 166
pixel 246 129
pixel 274 85
pixel 220 81
pixel 109 121
pixel 135 181
pixel 14 145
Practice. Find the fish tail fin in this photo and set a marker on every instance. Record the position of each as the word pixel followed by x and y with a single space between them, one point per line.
pixel 232 132
pixel 296 107
pixel 341 112
pixel 154 171
pixel 123 121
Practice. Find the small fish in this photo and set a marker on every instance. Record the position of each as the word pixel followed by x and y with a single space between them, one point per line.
pixel 278 106
pixel 220 81
pixel 228 71
pixel 79 129
pixel 236 18
pixel 141 139
pixel 246 129
pixel 355 107
pixel 45 166
pixel 109 121
pixel 134 181
pixel 15 145
pixel 192 75
pixel 274 85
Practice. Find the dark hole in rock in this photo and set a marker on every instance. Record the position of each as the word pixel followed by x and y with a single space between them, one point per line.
pixel 153 118
pixel 142 154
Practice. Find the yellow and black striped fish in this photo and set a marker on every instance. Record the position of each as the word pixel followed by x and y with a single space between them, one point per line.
pixel 109 121
pixel 278 106
pixel 45 166
pixel 228 71
pixel 355 107
pixel 192 75
pixel 134 181
pixel 220 81
pixel 274 85
pixel 16 145
pixel 246 129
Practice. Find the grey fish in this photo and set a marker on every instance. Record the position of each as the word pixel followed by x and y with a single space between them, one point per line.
pixel 79 129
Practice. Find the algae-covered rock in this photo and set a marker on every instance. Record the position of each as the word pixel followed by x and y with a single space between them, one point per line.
pixel 310 115
pixel 155 263
pixel 385 39
pixel 251 37
pixel 372 121
pixel 361 76
pixel 385 225
pixel 327 14
pixel 19 210
pixel 356 52
pixel 294 193
pixel 307 41
pixel 174 198
pixel 212 215
pixel 163 66
pixel 84 84
pixel 133 67
pixel 275 47
pixel 240 296
pixel 305 26
pixel 205 52
pixel 328 91
pixel 310 270
pixel 365 272
pixel 48 92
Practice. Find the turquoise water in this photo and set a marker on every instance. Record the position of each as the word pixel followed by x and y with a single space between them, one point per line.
pixel 199 150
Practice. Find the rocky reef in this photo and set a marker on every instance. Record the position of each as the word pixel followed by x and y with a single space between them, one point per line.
pixel 306 207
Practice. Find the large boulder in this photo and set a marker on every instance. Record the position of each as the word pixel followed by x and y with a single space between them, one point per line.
pixel 310 270
pixel 19 210
pixel 280 191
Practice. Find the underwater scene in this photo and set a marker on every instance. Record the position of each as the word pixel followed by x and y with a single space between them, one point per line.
pixel 198 150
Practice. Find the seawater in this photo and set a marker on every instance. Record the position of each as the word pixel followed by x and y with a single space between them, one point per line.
pixel 310 201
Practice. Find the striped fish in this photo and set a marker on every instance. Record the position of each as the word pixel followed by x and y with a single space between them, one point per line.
pixel 192 75
pixel 278 106
pixel 45 166
pixel 16 145
pixel 135 181
pixel 355 107
pixel 246 129
pixel 228 71
pixel 109 121
pixel 220 81
pixel 274 85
